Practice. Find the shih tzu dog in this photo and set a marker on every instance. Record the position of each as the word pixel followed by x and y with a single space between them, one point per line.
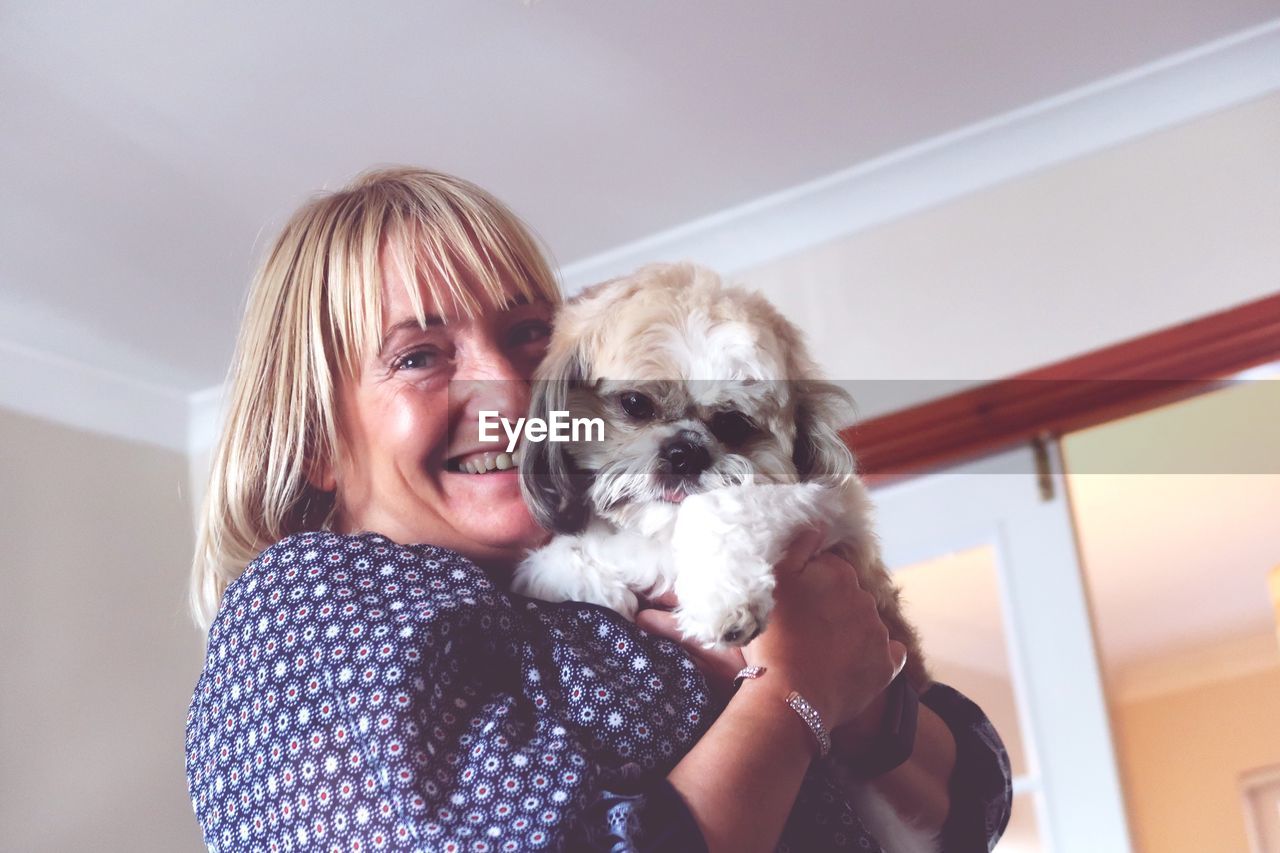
pixel 720 444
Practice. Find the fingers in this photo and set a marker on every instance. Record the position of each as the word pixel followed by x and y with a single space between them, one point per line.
pixel 666 601
pixel 659 622
pixel 799 552
pixel 719 665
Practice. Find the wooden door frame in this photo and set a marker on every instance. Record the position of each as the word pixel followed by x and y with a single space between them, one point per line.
pixel 1109 383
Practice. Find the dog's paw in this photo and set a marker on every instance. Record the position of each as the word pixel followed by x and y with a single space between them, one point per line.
pixel 728 625
pixel 562 571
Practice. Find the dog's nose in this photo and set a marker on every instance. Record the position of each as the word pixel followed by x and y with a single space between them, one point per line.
pixel 686 458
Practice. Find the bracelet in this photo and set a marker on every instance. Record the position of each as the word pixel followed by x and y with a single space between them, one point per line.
pixel 797 703
pixel 746 672
pixel 811 719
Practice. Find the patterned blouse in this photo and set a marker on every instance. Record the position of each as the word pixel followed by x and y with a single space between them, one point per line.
pixel 360 695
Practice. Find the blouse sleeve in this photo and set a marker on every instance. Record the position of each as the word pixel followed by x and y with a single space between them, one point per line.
pixel 652 819
pixel 981 783
pixel 366 696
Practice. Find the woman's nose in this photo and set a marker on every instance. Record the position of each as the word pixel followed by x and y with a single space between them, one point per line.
pixel 489 381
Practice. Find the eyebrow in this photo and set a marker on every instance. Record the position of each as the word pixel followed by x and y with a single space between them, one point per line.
pixel 408 323
pixel 433 320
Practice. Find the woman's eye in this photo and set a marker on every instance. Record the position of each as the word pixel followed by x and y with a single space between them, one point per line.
pixel 731 427
pixel 417 359
pixel 534 331
pixel 636 405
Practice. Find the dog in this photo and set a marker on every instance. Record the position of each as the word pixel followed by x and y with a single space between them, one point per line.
pixel 721 442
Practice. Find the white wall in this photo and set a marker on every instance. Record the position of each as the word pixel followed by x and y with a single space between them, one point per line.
pixel 1150 233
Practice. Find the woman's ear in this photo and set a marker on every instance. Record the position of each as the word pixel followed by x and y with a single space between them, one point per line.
pixel 822 408
pixel 321 477
pixel 553 487
pixel 321 468
pixel 315 507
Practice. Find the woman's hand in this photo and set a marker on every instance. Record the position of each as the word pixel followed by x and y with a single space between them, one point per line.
pixel 718 665
pixel 825 639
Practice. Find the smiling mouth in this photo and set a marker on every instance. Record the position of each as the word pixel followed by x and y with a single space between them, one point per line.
pixel 484 463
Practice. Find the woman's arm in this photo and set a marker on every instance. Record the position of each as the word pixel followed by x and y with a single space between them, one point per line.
pixel 825 642
pixel 981 786
pixel 740 780
pixel 957 780
pixel 919 788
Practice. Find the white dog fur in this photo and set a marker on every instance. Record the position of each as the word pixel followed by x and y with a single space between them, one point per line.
pixel 727 379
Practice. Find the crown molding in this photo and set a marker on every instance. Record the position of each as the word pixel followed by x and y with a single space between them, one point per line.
pixel 1178 88
pixel 86 397
pixel 1196 668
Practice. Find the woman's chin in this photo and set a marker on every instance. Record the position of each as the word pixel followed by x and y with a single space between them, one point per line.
pixel 492 510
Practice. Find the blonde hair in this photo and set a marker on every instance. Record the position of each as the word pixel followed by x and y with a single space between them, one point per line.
pixel 313 308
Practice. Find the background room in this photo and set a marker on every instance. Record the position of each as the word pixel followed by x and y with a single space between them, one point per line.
pixel 1039 242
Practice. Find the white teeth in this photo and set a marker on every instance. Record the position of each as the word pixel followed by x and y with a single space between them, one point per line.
pixel 480 463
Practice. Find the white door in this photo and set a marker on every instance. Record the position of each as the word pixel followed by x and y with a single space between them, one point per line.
pixel 987 556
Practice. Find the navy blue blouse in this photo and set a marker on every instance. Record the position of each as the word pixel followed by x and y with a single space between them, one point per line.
pixel 362 695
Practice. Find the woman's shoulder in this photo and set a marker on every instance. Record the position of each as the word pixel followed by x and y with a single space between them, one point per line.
pixel 308 558
pixel 323 575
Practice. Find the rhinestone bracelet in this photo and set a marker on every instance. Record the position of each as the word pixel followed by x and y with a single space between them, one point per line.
pixel 746 672
pixel 811 719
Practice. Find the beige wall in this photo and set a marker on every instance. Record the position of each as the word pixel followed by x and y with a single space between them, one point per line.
pixel 1181 756
pixel 99 658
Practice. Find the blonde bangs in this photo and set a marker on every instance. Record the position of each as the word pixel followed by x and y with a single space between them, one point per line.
pixel 314 309
pixel 446 238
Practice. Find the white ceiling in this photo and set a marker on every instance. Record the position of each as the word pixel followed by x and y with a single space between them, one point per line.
pixel 148 148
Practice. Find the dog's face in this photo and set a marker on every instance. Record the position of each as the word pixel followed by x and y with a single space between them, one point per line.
pixel 698 386
pixel 665 439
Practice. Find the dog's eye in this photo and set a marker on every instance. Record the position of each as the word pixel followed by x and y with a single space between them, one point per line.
pixel 731 427
pixel 637 405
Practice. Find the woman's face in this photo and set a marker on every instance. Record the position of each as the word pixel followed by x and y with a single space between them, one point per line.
pixel 411 417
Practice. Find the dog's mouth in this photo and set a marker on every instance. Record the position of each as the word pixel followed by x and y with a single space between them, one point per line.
pixel 673 490
pixel 662 493
pixel 674 494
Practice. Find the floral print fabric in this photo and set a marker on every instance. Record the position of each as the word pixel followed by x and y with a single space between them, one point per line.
pixel 360 695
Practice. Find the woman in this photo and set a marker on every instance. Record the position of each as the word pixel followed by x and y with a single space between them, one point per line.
pixel 369 684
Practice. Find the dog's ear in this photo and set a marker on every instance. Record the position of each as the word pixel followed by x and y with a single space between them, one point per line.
pixel 554 488
pixel 822 408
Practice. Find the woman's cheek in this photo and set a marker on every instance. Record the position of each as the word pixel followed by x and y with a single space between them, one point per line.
pixel 418 424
